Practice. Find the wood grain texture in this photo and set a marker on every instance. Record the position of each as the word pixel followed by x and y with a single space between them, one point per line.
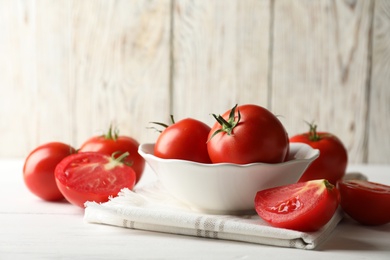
pixel 120 66
pixel 220 56
pixel 320 68
pixel 16 70
pixel 70 68
pixel 379 123
pixel 34 88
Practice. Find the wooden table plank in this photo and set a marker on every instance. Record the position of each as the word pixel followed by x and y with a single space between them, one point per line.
pixel 379 123
pixel 220 56
pixel 120 65
pixel 321 68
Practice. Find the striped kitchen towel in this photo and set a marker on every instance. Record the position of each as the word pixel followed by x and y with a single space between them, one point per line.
pixel 151 208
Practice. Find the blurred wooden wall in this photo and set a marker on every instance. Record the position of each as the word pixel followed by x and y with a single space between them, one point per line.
pixel 70 68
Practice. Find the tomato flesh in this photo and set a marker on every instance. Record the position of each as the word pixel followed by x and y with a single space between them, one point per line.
pixel 92 176
pixel 304 206
pixel 287 206
pixel 366 202
pixel 120 144
pixel 39 166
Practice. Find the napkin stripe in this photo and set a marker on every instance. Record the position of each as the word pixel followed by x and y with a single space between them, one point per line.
pixel 197 226
pixel 221 226
pixel 204 226
pixel 128 224
pixel 209 227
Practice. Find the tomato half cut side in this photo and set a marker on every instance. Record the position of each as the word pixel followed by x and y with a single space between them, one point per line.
pixel 304 206
pixel 92 176
pixel 366 202
pixel 112 142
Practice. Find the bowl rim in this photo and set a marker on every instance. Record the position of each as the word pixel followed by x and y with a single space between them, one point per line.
pixel 143 150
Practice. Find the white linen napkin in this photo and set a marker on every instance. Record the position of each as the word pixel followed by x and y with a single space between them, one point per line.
pixel 152 208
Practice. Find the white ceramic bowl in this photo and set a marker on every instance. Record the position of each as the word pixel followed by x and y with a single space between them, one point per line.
pixel 226 188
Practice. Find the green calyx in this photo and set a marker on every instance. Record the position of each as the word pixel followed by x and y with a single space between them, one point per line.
pixel 162 124
pixel 328 185
pixel 121 158
pixel 227 126
pixel 313 135
pixel 112 134
pixel 117 161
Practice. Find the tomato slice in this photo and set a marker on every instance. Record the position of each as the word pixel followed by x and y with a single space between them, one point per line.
pixel 92 176
pixel 304 206
pixel 366 202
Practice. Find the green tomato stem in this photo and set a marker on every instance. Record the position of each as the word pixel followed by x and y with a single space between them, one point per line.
pixel 162 124
pixel 112 134
pixel 313 135
pixel 328 185
pixel 121 158
pixel 227 126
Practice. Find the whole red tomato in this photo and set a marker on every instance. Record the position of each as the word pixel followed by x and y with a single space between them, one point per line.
pixel 247 134
pixel 303 206
pixel 366 202
pixel 332 162
pixel 185 140
pixel 38 169
pixel 111 143
pixel 92 176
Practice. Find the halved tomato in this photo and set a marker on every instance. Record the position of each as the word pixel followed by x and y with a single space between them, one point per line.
pixel 92 176
pixel 366 202
pixel 304 206
pixel 112 142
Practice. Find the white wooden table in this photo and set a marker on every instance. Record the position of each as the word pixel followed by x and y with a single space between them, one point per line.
pixel 33 229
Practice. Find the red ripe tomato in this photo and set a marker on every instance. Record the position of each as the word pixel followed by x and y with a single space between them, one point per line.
pixel 247 134
pixel 38 169
pixel 366 202
pixel 92 176
pixel 303 206
pixel 332 162
pixel 185 140
pixel 111 143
